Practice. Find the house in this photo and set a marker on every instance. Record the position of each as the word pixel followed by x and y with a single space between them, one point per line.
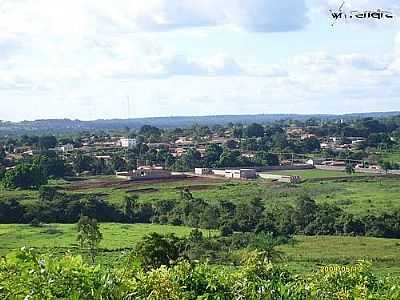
pixel 20 150
pixel 144 172
pixel 127 143
pixel 103 157
pixel 159 145
pixel 307 136
pixel 67 148
pixel 281 178
pixel 177 152
pixel 153 172
pixel 337 164
pixel 241 173
pixel 294 132
pixel 182 142
pixel 310 162
pixel 202 171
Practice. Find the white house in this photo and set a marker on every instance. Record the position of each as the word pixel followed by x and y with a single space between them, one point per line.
pixel 241 173
pixel 202 171
pixel 127 143
pixel 67 148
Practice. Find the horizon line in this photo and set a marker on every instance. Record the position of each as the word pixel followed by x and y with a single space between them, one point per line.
pixel 205 116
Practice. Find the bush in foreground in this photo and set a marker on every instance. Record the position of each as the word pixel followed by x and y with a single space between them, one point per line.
pixel 26 275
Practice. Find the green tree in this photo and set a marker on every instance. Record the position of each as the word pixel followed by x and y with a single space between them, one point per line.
pixel 266 243
pixel 186 195
pixel 51 164
pixel 81 163
pixel 47 193
pixel 231 144
pixel 254 130
pixel 229 159
pixel 149 130
pixel 188 161
pixel 155 250
pixel 129 206
pixel 11 211
pixel 386 165
pixel 263 158
pixel 2 154
pixel 210 218
pixel 89 236
pixel 305 211
pixel 24 176
pixel 350 169
pixel 47 142
pixel 118 164
pixel 212 155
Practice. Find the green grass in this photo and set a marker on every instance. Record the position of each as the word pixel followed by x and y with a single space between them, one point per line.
pixel 310 252
pixel 361 196
pixel 115 236
pixel 392 156
pixel 58 239
pixel 305 255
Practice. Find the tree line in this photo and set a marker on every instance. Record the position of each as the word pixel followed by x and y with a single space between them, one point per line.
pixel 304 217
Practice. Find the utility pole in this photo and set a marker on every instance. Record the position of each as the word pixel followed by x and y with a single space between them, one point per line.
pixel 128 106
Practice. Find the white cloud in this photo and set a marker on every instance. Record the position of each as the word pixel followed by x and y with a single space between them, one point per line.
pixel 162 15
pixel 82 58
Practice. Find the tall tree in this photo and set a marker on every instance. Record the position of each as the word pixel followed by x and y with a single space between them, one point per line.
pixel 89 236
pixel 129 206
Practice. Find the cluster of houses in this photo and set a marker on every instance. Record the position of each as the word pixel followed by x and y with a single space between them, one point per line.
pixel 341 164
pixel 246 173
pixel 331 142
pixel 176 148
pixel 158 172
pixel 337 144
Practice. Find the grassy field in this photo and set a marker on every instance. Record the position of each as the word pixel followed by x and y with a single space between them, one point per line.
pixel 305 255
pixel 361 196
pixel 115 236
pixel 310 252
pixel 393 156
pixel 118 239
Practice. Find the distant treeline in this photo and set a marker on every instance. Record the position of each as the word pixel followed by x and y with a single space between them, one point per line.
pixel 305 217
pixel 67 125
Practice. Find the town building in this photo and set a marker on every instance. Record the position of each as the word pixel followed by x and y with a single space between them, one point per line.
pixel 281 178
pixel 67 148
pixel 202 171
pixel 240 173
pixel 127 143
pixel 144 172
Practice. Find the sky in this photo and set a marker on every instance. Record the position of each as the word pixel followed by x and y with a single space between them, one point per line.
pixel 101 59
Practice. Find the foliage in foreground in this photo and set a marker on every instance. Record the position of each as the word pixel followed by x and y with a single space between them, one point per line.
pixel 25 275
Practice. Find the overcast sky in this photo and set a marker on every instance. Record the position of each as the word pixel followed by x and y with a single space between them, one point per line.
pixel 85 58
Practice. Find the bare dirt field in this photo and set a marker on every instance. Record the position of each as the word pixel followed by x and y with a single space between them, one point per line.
pixel 123 184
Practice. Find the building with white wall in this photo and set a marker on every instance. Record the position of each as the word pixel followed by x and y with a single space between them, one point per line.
pixel 127 143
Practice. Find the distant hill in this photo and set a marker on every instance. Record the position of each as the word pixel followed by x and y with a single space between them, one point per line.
pixel 67 125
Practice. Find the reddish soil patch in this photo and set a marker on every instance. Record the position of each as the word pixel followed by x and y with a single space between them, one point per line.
pixel 116 183
pixel 144 190
pixel 197 187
